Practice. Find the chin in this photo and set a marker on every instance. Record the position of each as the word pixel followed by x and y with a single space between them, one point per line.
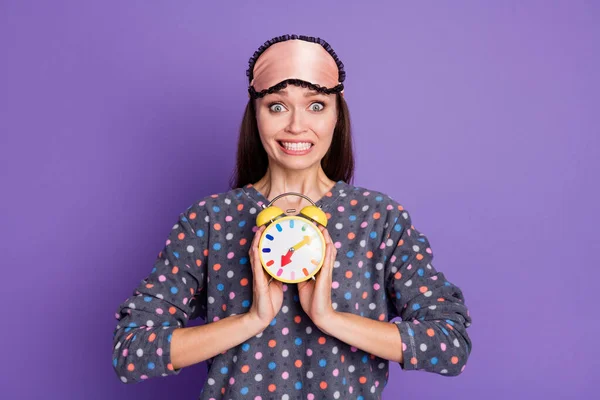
pixel 298 165
pixel 297 162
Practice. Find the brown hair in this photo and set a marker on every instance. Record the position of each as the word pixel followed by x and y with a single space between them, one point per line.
pixel 252 160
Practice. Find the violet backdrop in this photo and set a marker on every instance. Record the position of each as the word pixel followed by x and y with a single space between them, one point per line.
pixel 480 118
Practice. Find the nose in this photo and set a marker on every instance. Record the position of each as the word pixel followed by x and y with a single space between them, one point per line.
pixel 296 124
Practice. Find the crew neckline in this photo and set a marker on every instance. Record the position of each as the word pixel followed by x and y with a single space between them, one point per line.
pixel 329 198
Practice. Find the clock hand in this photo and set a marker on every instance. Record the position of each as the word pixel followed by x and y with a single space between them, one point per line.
pixel 287 257
pixel 304 241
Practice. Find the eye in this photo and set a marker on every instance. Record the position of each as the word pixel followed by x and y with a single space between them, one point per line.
pixel 278 107
pixel 318 109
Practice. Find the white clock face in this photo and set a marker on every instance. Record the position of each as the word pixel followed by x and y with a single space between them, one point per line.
pixel 292 249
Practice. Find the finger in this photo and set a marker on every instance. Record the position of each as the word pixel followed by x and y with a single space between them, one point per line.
pixel 324 231
pixel 277 283
pixel 254 256
pixel 328 258
pixel 332 257
pixel 333 248
pixel 332 263
pixel 257 236
pixel 254 245
pixel 324 271
pixel 327 236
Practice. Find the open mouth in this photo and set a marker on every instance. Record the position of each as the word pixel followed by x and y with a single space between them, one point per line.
pixel 295 147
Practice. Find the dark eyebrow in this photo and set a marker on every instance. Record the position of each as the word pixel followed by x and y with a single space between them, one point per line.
pixel 311 93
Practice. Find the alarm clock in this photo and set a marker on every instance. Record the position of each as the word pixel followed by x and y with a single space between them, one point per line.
pixel 291 248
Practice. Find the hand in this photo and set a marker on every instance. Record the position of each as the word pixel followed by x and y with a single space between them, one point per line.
pixel 315 296
pixel 267 297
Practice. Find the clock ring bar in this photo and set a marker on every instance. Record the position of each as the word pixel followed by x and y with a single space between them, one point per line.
pixel 290 210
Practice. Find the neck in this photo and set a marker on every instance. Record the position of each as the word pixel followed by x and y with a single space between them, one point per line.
pixel 311 182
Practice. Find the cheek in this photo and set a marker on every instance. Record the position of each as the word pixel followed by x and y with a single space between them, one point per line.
pixel 269 122
pixel 324 129
pixel 267 127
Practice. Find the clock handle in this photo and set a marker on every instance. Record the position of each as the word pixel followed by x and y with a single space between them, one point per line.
pixel 292 193
pixel 312 212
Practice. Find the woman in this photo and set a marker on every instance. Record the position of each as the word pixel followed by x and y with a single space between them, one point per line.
pixel 323 338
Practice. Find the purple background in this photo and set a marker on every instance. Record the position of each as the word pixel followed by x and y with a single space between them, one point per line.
pixel 481 119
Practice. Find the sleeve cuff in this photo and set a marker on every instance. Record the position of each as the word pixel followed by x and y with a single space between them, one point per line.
pixel 409 350
pixel 164 351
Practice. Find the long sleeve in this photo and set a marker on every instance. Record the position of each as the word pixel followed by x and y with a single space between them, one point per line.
pixel 163 301
pixel 433 311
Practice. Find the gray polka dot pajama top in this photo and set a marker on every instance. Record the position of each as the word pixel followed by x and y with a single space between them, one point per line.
pixel 383 270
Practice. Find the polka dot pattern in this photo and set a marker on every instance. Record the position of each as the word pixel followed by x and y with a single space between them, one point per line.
pixel 383 270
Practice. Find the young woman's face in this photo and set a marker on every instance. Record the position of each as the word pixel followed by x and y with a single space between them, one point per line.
pixel 296 126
